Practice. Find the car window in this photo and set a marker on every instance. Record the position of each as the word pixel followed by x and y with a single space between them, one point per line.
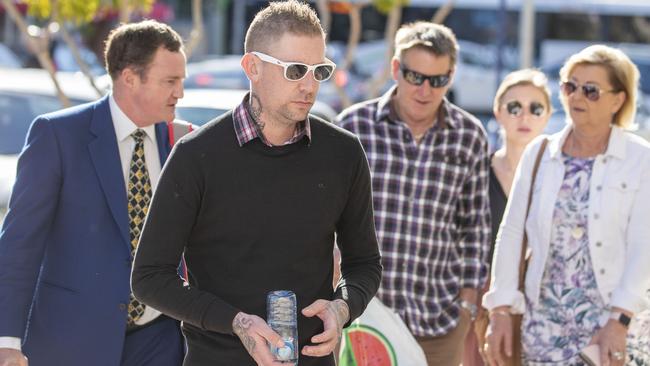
pixel 644 70
pixel 198 115
pixel 8 58
pixel 213 80
pixel 17 111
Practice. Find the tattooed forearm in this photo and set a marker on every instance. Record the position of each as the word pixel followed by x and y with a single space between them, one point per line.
pixel 255 108
pixel 240 326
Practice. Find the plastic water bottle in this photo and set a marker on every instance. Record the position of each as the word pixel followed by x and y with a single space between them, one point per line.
pixel 281 311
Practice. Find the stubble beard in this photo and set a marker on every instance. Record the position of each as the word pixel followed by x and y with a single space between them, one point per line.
pixel 289 117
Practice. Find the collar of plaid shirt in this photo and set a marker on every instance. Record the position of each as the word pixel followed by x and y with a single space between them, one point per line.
pixel 247 129
pixel 386 111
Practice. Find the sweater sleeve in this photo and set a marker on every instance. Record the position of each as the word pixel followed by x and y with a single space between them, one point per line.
pixel 172 214
pixel 356 238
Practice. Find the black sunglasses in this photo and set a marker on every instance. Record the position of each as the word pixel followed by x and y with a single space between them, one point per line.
pixel 415 78
pixel 516 109
pixel 590 91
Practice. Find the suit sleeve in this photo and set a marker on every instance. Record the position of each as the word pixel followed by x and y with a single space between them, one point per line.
pixel 23 238
pixel 356 238
pixel 155 280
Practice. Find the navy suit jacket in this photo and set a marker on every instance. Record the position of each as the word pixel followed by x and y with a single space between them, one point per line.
pixel 65 254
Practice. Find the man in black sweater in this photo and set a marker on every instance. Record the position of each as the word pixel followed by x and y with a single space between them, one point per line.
pixel 254 201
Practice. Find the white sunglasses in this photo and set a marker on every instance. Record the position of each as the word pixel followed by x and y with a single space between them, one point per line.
pixel 294 71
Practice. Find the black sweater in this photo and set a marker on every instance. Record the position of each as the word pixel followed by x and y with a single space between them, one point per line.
pixel 253 219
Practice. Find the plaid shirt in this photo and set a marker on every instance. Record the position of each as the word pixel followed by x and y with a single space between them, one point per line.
pixel 247 129
pixel 431 209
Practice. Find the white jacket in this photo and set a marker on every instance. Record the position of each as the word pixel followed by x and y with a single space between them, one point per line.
pixel 618 224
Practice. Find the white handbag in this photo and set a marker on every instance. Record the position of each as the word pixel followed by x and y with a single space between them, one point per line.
pixel 379 337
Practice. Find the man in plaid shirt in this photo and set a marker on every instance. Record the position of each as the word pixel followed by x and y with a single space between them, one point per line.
pixel 429 166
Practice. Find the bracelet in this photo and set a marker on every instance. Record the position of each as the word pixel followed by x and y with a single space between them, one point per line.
pixel 500 312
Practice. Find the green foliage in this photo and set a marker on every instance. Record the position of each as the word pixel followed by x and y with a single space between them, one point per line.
pixel 39 8
pixel 81 11
pixel 138 5
pixel 78 11
pixel 385 6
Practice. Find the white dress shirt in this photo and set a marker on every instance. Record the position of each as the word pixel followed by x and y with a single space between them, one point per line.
pixel 124 127
pixel 618 228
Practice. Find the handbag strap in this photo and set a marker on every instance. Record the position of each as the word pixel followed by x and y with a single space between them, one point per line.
pixel 524 242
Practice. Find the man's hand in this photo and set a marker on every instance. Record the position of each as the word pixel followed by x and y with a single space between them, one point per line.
pixel 334 315
pixel 254 334
pixel 12 357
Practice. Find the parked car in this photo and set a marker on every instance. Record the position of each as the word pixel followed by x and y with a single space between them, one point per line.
pixel 8 58
pixel 64 60
pixel 202 105
pixel 25 94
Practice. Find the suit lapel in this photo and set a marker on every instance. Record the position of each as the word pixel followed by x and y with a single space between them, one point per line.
pixel 105 156
pixel 162 139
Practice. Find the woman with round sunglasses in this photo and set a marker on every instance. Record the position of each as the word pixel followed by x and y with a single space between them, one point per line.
pixel 588 259
pixel 522 108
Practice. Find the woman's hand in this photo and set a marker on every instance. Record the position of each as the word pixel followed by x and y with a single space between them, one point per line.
pixel 499 336
pixel 612 341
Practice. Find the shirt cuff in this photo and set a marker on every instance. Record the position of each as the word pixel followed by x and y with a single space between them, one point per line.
pixel 627 300
pixel 514 299
pixel 10 342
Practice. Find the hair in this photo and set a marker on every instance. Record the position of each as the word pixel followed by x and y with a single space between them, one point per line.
pixel 532 77
pixel 623 75
pixel 134 46
pixel 431 37
pixel 279 18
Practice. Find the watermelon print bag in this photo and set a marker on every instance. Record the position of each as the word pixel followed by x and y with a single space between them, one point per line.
pixel 379 338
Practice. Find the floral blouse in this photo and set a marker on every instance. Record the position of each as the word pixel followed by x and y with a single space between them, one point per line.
pixel 570 308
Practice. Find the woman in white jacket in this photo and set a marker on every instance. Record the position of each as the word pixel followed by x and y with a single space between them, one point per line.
pixel 588 229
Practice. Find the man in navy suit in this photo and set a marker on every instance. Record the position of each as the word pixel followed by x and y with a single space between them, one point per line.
pixel 82 189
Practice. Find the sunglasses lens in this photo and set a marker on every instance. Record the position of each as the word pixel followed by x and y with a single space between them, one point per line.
pixel 439 81
pixel 514 108
pixel 591 92
pixel 413 77
pixel 536 109
pixel 323 72
pixel 295 71
pixel 569 87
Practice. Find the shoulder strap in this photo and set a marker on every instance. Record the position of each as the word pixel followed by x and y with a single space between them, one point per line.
pixel 177 129
pixel 524 243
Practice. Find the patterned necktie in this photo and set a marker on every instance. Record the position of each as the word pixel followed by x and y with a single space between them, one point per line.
pixel 139 197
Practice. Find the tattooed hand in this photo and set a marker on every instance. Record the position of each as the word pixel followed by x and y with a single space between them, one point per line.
pixel 334 315
pixel 254 334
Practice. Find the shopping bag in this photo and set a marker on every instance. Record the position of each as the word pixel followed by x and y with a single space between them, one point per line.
pixel 379 337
